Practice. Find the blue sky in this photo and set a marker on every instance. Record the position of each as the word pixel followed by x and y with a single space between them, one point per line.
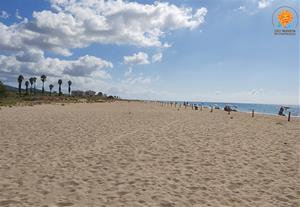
pixel 205 50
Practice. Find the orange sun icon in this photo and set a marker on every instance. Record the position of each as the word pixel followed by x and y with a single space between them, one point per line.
pixel 285 17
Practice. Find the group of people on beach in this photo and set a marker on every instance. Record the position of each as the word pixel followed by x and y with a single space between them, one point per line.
pixel 281 111
pixel 185 103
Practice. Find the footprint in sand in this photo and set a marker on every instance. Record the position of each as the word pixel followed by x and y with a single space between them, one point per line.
pixel 8 202
pixel 62 204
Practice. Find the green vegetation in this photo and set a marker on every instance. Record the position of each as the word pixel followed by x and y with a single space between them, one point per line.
pixel 10 96
pixel 20 80
pixel 14 99
pixel 43 79
pixel 59 89
pixel 51 87
pixel 69 84
pixel 3 92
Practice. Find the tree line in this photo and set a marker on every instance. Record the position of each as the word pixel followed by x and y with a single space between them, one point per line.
pixel 32 82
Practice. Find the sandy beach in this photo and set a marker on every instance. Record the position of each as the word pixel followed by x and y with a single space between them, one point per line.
pixel 143 154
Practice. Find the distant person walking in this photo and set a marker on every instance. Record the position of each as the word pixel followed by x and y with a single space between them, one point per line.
pixel 281 110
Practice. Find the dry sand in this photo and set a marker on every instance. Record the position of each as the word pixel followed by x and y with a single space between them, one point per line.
pixel 138 154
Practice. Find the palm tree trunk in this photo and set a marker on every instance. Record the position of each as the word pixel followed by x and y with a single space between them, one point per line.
pixel 59 90
pixel 20 88
pixel 43 87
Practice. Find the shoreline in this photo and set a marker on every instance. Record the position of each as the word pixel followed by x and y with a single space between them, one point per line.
pixel 218 102
pixel 79 101
pixel 243 111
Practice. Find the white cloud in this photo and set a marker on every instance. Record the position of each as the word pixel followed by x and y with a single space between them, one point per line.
pixel 166 45
pixel 9 64
pixel 241 8
pixel 4 14
pixel 157 57
pixel 86 65
pixel 71 24
pixel 264 3
pixel 128 72
pixel 35 63
pixel 77 24
pixel 18 16
pixel 218 93
pixel 252 7
pixel 30 55
pixel 139 58
pixel 256 92
pixel 8 40
pixel 138 80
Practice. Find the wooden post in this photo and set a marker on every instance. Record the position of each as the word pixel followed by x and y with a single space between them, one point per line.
pixel 252 112
pixel 289 117
pixel 211 110
pixel 201 107
pixel 228 112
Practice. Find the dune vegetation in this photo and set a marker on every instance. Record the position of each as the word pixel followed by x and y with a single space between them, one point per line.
pixel 28 94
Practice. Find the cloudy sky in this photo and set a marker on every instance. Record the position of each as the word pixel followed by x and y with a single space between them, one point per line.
pixel 200 50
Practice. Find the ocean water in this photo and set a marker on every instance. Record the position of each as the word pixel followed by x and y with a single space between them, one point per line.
pixel 258 108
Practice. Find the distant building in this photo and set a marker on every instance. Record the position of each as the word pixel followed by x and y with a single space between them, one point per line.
pixel 78 93
pixel 90 93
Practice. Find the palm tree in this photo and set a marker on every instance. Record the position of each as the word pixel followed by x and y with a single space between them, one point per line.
pixel 51 87
pixel 34 81
pixel 31 83
pixel 43 79
pixel 69 83
pixel 20 80
pixel 26 84
pixel 59 89
pixel 2 90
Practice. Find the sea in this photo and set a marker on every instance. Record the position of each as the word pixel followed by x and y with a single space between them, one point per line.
pixel 271 109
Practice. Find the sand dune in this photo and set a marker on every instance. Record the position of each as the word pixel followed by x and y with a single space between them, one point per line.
pixel 142 154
